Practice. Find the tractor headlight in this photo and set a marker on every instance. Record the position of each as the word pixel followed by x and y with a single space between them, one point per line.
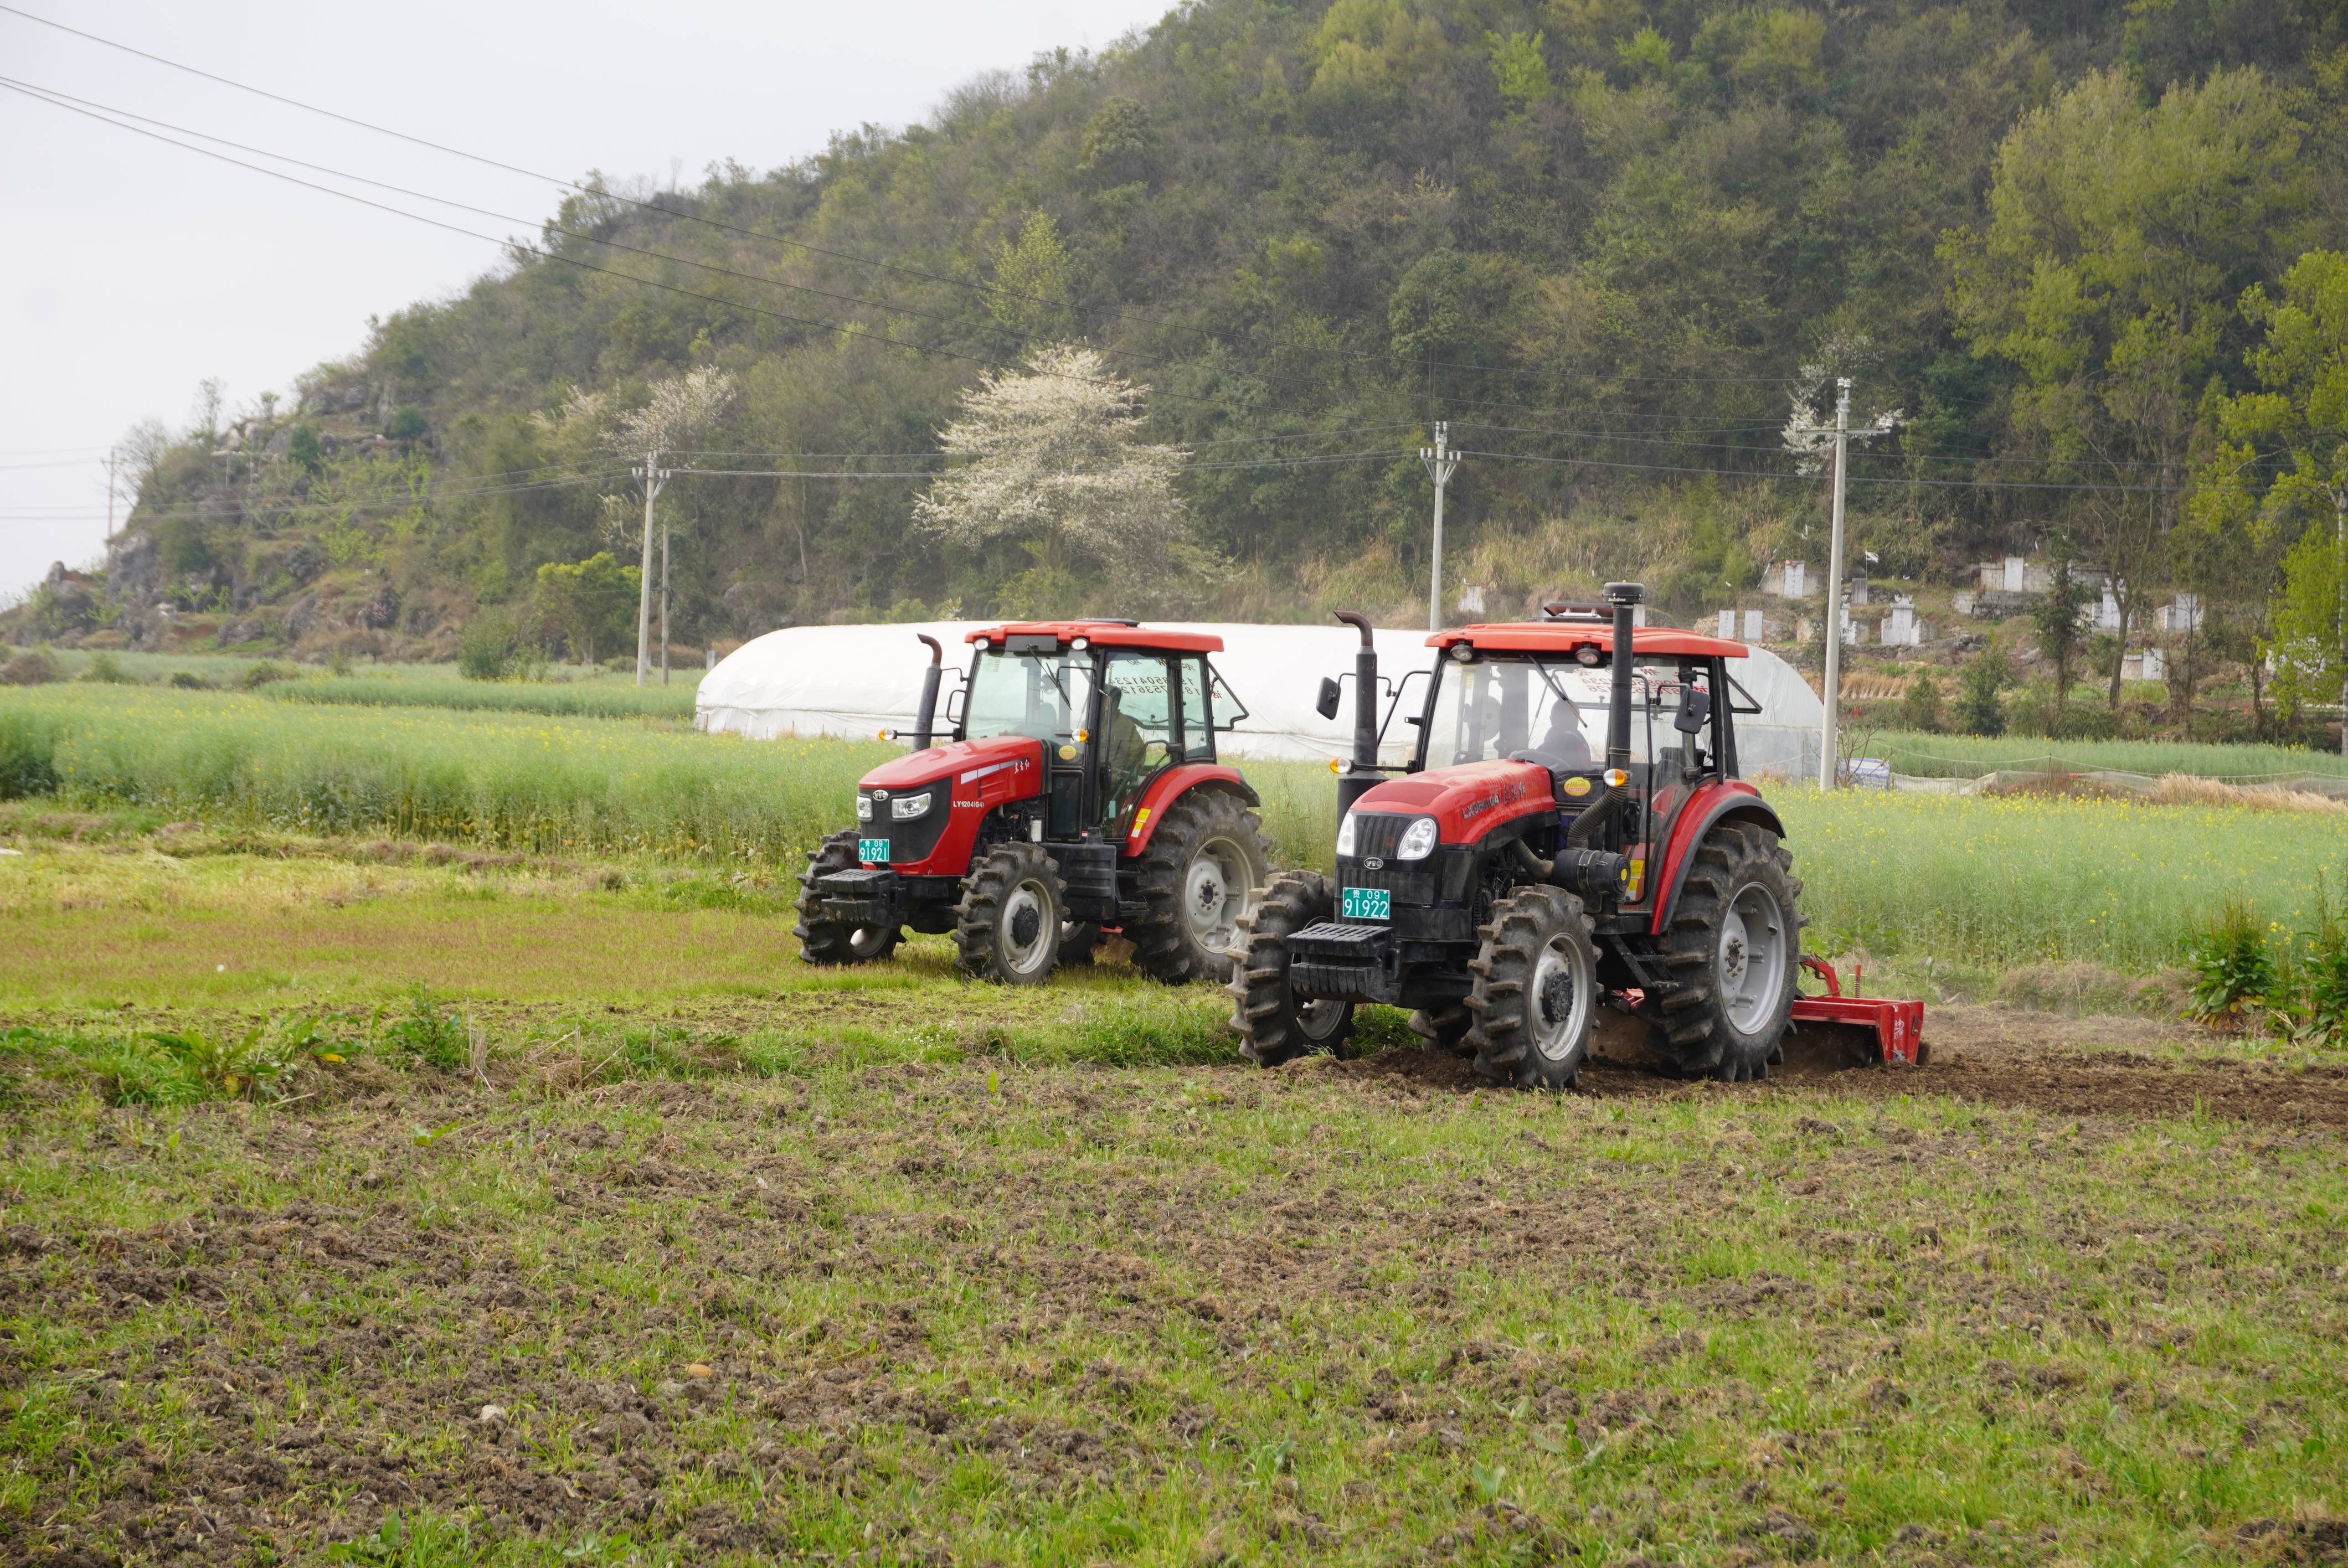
pixel 864 808
pixel 906 807
pixel 1346 835
pixel 1417 840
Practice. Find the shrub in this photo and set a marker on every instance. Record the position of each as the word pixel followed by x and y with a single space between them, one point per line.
pixel 486 649
pixel 265 673
pixel 31 668
pixel 189 681
pixel 28 744
pixel 406 426
pixel 106 670
pixel 1920 707
pixel 2232 969
pixel 1979 710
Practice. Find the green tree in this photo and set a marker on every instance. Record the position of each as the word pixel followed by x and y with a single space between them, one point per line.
pixel 2119 236
pixel 1980 711
pixel 2282 470
pixel 1031 280
pixel 1919 705
pixel 1519 67
pixel 591 603
pixel 2055 618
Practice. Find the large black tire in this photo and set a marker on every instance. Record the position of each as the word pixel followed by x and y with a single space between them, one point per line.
pixel 823 941
pixel 1536 990
pixel 1735 950
pixel 1199 877
pixel 1275 1024
pixel 1007 927
pixel 1077 940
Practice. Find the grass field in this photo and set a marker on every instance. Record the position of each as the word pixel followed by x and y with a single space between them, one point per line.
pixel 1971 882
pixel 1969 756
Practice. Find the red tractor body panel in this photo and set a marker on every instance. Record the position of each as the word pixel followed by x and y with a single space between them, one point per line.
pixel 1169 786
pixel 1565 637
pixel 1696 816
pixel 1467 801
pixel 981 775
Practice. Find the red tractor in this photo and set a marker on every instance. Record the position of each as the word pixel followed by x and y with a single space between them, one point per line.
pixel 1080 794
pixel 1516 879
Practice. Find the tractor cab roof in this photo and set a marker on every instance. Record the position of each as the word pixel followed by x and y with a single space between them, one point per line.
pixel 1560 636
pixel 1103 634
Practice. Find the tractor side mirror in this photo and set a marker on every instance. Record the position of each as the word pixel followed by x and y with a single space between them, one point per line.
pixel 1696 711
pixel 1327 703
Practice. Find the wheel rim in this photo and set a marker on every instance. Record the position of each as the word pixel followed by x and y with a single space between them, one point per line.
pixel 1559 999
pixel 868 941
pixel 1028 909
pixel 1215 890
pixel 1317 1020
pixel 1751 964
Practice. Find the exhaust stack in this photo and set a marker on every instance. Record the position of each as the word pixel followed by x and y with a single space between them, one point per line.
pixel 926 718
pixel 1625 597
pixel 1361 774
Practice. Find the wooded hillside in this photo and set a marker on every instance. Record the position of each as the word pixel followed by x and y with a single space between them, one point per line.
pixel 1606 240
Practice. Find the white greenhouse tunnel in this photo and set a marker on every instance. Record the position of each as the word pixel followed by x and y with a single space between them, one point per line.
pixel 853 682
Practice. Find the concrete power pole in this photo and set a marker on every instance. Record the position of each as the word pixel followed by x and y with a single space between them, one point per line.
pixel 113 461
pixel 1440 461
pixel 1828 772
pixel 654 475
pixel 2339 576
pixel 664 607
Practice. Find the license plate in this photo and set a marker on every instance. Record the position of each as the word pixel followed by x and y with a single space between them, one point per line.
pixel 872 851
pixel 1367 904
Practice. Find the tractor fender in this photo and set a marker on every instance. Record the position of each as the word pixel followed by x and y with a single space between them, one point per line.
pixel 1733 801
pixel 1171 786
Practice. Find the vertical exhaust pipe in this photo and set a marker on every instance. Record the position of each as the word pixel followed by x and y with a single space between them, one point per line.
pixel 1361 774
pixel 1624 596
pixel 926 718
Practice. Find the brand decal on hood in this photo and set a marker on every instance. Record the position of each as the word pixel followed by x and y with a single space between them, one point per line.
pixel 1015 764
pixel 1508 796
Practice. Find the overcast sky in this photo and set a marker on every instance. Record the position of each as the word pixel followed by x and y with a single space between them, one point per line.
pixel 133 270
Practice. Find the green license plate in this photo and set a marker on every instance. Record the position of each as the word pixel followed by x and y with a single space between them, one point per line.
pixel 872 851
pixel 1367 904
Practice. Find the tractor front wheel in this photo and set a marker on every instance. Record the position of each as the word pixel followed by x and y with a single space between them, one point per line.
pixel 1199 877
pixel 828 941
pixel 1536 990
pixel 1275 1024
pixel 1735 952
pixel 1007 927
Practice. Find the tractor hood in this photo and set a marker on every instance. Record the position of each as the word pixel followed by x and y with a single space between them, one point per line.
pixel 962 761
pixel 1467 801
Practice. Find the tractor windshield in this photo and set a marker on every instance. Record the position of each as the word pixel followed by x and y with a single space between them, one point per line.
pixel 1554 708
pixel 1043 695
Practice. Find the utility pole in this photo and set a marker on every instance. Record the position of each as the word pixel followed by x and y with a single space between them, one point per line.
pixel 654 475
pixel 2340 577
pixel 113 461
pixel 664 607
pixel 1829 772
pixel 1440 461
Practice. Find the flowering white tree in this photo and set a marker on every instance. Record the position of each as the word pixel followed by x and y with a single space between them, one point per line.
pixel 1050 456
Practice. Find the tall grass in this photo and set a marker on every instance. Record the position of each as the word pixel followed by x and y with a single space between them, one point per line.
pixel 1969 756
pixel 543 784
pixel 1973 879
pixel 570 699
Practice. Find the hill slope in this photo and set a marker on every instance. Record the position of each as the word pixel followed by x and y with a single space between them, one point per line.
pixel 1597 235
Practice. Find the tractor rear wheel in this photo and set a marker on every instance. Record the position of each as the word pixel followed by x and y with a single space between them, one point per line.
pixel 1275 1024
pixel 1536 990
pixel 825 941
pixel 1735 950
pixel 1199 877
pixel 1007 927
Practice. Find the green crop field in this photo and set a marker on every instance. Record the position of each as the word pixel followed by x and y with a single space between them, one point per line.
pixel 426 1147
pixel 1969 756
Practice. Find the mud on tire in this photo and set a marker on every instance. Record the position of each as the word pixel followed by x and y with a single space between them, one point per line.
pixel 1536 990
pixel 1007 927
pixel 1275 1024
pixel 823 941
pixel 1733 948
pixel 1199 877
